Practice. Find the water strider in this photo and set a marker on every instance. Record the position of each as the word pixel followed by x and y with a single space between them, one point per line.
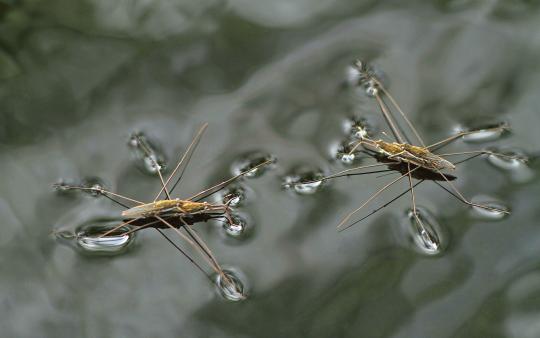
pixel 175 213
pixel 413 161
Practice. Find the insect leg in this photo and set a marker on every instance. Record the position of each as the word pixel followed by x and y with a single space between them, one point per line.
pixel 118 227
pixel 341 224
pixel 452 138
pixel 396 154
pixel 388 117
pixel 217 269
pixel 484 152
pixel 226 213
pixel 207 251
pixel 423 230
pixel 95 190
pixel 374 211
pixel 200 242
pixel 460 196
pixel 144 226
pixel 343 172
pixel 212 190
pixel 185 254
pixel 416 134
pixel 184 159
pixel 157 166
pixel 353 149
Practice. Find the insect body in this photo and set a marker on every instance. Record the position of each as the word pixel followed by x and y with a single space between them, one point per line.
pixel 165 206
pixel 400 155
pixel 175 213
pixel 404 152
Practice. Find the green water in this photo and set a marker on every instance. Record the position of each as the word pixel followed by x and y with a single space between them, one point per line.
pixel 77 78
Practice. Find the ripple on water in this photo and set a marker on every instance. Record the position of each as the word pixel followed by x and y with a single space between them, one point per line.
pixel 424 231
pixel 250 161
pixel 232 286
pixel 303 181
pixel 87 238
pixel 147 154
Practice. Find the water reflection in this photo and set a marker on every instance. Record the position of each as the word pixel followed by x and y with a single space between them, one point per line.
pixel 425 231
pixel 89 237
pixel 231 285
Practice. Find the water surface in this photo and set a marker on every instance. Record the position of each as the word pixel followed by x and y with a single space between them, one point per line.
pixel 270 77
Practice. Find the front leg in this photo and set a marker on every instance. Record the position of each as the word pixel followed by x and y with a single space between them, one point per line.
pixel 390 157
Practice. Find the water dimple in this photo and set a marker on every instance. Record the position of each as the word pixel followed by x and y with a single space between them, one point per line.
pixel 346 152
pixel 62 186
pixel 365 75
pixel 486 133
pixel 371 88
pixel 147 154
pixel 425 231
pixel 513 162
pixel 303 181
pixel 358 127
pixel 64 234
pixel 230 285
pixel 248 162
pixel 234 195
pixel 89 240
pixel 495 210
pixel 95 184
pixel 240 226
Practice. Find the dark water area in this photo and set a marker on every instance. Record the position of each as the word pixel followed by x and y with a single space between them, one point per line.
pixel 79 78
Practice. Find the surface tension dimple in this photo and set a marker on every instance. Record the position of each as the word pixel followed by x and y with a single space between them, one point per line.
pixel 147 154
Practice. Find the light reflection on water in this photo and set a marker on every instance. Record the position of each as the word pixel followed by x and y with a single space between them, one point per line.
pixel 76 88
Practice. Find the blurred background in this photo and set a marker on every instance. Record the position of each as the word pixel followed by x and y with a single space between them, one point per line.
pixel 78 78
